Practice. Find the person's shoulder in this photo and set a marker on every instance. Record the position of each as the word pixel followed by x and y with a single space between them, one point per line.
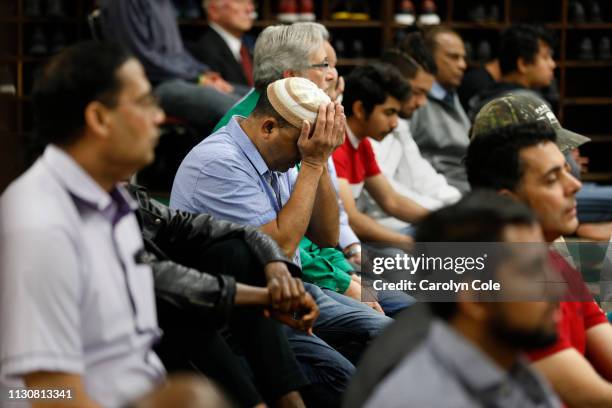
pixel 35 199
pixel 418 378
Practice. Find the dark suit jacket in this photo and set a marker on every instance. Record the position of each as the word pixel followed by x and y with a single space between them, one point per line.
pixel 214 52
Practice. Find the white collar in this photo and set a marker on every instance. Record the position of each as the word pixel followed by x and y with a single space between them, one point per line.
pixel 232 41
pixel 352 138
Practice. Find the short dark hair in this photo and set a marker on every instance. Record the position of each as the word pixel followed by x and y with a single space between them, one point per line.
pixel 410 56
pixel 481 216
pixel 493 158
pixel 79 75
pixel 521 41
pixel 265 108
pixel 430 35
pixel 372 84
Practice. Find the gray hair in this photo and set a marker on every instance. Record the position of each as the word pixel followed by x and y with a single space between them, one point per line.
pixel 285 47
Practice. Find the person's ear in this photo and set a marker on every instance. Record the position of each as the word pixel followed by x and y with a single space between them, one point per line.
pixel 359 110
pixel 269 127
pixel 97 118
pixel 509 193
pixel 289 73
pixel 522 65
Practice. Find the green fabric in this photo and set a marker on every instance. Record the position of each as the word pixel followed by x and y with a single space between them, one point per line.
pixel 244 107
pixel 325 267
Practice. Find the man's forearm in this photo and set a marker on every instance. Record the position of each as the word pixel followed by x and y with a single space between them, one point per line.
pixel 368 230
pixel 293 219
pixel 405 209
pixel 325 220
pixel 251 295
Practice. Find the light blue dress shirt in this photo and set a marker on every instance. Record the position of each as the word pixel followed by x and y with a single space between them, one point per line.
pixel 73 298
pixel 224 175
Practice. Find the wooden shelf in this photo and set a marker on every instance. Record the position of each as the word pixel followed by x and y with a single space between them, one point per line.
pixel 589 26
pixel 348 62
pixel 586 100
pixel 607 138
pixel 599 176
pixel 585 63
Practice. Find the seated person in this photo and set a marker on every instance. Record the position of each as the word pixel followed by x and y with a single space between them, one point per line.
pixel 515 153
pixel 332 269
pixel 186 87
pixel 222 47
pixel 441 127
pixel 398 156
pixel 78 309
pixel 245 174
pixel 472 354
pixel 372 100
pixel 192 305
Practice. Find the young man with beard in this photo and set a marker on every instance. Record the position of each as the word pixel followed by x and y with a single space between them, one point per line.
pixel 514 152
pixel 472 354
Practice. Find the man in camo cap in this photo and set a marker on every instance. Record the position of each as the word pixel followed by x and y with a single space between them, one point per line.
pixel 594 201
pixel 516 109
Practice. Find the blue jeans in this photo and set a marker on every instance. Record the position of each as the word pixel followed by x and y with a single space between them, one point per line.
pixel 200 106
pixel 594 203
pixel 344 323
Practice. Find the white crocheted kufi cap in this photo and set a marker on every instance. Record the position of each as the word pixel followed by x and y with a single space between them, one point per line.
pixel 296 99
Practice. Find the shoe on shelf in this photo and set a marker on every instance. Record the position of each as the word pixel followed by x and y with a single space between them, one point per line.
pixel 340 10
pixel 192 10
pixel 340 48
pixel 38 43
pixel 483 52
pixel 7 83
pixel 594 12
pixel 429 15
pixel 58 42
pixel 357 49
pixel 55 8
pixel 306 11
pixel 360 10
pixel 469 51
pixel 32 8
pixel 586 49
pixel 288 11
pixel 576 12
pixel 405 13
pixel 494 14
pixel 478 14
pixel 603 48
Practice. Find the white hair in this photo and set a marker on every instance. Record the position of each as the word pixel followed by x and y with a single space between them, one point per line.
pixel 285 47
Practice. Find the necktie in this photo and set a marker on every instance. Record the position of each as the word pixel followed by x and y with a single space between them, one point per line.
pixel 272 179
pixel 247 64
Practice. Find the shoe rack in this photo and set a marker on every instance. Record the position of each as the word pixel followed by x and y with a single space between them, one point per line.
pixel 31 31
pixel 584 89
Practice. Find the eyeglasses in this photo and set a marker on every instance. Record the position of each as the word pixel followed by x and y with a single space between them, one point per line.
pixel 324 65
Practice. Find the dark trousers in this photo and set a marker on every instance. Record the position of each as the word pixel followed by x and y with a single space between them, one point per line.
pixel 191 339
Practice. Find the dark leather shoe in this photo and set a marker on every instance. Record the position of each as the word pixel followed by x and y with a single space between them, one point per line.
pixel 586 49
pixel 58 42
pixel 576 12
pixel 38 43
pixel 32 8
pixel 603 48
pixel 55 8
pixel 477 14
pixel 595 12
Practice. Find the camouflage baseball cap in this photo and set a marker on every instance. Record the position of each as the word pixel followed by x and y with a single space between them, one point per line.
pixel 513 109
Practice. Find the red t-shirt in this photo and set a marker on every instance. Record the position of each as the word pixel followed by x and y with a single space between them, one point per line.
pixel 355 164
pixel 576 316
